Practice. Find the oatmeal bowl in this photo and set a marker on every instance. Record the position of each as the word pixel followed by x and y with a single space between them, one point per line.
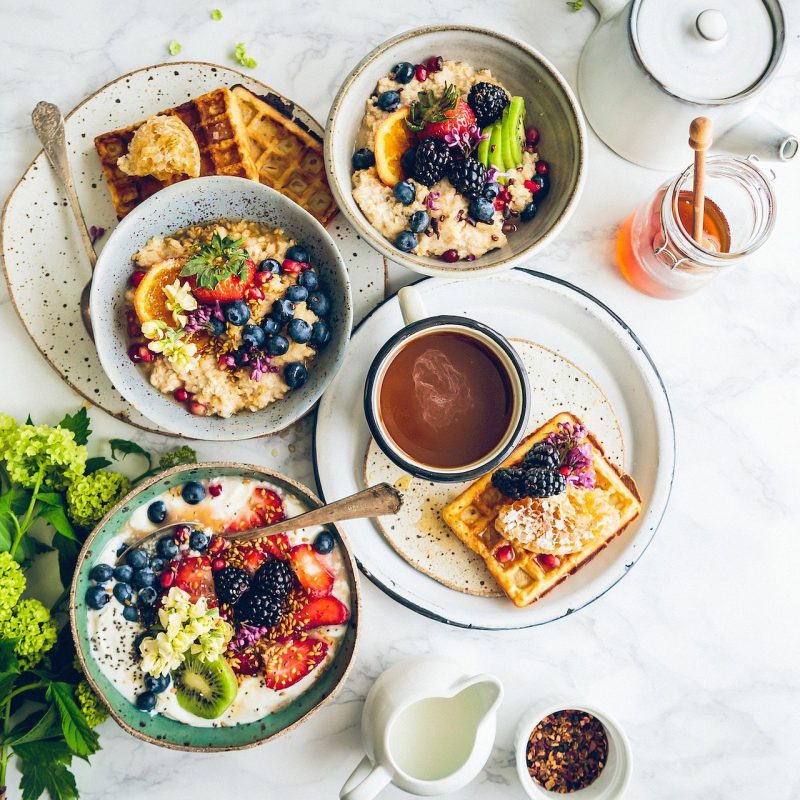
pixel 195 641
pixel 221 309
pixel 456 151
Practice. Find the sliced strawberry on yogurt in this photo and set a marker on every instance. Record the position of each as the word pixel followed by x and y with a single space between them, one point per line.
pixel 263 508
pixel 321 611
pixel 277 545
pixel 194 576
pixel 290 661
pixel 313 574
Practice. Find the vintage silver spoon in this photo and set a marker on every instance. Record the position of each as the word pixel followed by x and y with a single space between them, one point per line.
pixel 372 502
pixel 49 126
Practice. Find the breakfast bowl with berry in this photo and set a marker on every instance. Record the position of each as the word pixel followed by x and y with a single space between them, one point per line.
pixel 221 309
pixel 197 641
pixel 456 151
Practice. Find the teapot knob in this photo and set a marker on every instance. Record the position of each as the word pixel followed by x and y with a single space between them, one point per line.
pixel 712 25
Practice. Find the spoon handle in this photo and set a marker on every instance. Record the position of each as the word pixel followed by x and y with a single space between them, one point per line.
pixel 49 126
pixel 372 502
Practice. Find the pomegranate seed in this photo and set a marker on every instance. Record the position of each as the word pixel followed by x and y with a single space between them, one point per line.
pixel 181 395
pixel 421 72
pixel 532 136
pixel 499 203
pixel 504 553
pixel 262 278
pixel 548 561
pixel 134 330
pixel 217 564
pixel 136 278
pixel 133 353
pixel 564 471
pixel 293 267
pixel 166 579
pixel 198 409
pixel 254 293
pixel 215 490
pixel 216 545
pixel 532 186
pixel 250 263
pixel 139 353
pixel 542 168
pixel 450 256
pixel 182 534
pixel 434 64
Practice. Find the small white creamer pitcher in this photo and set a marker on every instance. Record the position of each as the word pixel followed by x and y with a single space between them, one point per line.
pixel 427 727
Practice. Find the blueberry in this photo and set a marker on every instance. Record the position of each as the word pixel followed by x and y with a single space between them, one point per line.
pixel 156 683
pixel 299 330
pixel 96 597
pixel 308 279
pixel 407 160
pixel 123 592
pixel 528 213
pixel 167 547
pixel 324 542
pixel 295 374
pixel 138 559
pixel 270 326
pixel 403 72
pixel 405 192
pixel 543 182
pixel 237 312
pixel 320 334
pixel 198 541
pixel 148 596
pixel 388 101
pixel 269 265
pixel 193 492
pixel 363 158
pixel 298 253
pixel 296 293
pixel 144 577
pixel 491 190
pixel 157 564
pixel 146 701
pixel 123 573
pixel 130 613
pixel 253 335
pixel 157 511
pixel 282 311
pixel 243 356
pixel 276 345
pixel 319 303
pixel 405 241
pixel 419 221
pixel 481 209
pixel 217 325
pixel 101 573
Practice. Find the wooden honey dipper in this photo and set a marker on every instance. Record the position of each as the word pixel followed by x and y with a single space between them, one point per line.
pixel 699 140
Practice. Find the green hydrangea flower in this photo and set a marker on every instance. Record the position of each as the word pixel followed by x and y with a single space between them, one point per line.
pixel 8 425
pixel 12 584
pixel 89 703
pixel 34 629
pixel 53 452
pixel 178 455
pixel 89 497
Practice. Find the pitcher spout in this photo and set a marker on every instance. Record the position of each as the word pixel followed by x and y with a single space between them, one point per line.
pixel 758 136
pixel 487 690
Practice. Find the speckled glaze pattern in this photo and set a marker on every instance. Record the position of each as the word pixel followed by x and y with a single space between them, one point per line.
pixel 46 274
pixel 161 730
pixel 551 106
pixel 204 200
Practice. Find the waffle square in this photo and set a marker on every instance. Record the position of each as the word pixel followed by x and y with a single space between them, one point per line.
pixel 471 516
pixel 215 122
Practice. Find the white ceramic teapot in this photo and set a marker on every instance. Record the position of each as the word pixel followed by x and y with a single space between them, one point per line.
pixel 427 727
pixel 651 66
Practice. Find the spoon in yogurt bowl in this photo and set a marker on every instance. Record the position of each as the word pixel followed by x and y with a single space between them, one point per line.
pixel 374 501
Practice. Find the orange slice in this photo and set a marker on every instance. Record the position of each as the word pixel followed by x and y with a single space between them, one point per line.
pixel 392 139
pixel 150 302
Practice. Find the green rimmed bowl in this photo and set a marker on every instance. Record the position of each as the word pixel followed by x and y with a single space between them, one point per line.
pixel 161 730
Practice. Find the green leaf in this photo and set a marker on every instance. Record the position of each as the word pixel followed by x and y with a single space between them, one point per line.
pixel 68 550
pixel 126 448
pixel 78 423
pixel 96 463
pixel 9 666
pixel 29 421
pixel 44 768
pixel 56 515
pixel 36 727
pixel 80 738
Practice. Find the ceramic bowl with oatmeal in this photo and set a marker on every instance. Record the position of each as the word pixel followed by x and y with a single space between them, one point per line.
pixel 227 315
pixel 456 150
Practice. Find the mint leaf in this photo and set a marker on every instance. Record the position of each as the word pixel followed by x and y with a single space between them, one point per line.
pixel 126 448
pixel 44 768
pixel 78 423
pixel 96 463
pixel 80 738
pixel 36 727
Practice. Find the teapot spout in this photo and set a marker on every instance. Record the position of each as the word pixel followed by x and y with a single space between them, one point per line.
pixel 758 136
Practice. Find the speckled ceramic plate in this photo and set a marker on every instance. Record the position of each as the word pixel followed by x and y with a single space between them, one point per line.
pixel 161 730
pixel 418 532
pixel 562 318
pixel 42 256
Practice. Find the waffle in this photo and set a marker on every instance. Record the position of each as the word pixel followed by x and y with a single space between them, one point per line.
pixel 216 123
pixel 471 517
pixel 287 158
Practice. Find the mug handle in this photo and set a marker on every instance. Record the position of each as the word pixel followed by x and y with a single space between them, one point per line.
pixel 412 306
pixel 365 782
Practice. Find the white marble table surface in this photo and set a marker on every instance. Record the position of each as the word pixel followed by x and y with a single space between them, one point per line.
pixel 697 652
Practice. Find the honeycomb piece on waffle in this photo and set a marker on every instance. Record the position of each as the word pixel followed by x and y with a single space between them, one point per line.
pixel 162 146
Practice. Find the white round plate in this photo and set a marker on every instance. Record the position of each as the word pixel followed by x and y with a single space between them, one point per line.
pixel 521 304
pixel 44 262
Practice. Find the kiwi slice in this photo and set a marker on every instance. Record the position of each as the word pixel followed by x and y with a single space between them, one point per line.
pixel 514 131
pixel 496 149
pixel 205 688
pixel 483 147
pixel 505 140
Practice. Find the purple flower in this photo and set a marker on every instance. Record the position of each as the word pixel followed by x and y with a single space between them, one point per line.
pixel 200 318
pixel 228 360
pixel 96 233
pixel 575 453
pixel 491 174
pixel 259 366
pixel 247 635
pixel 430 201
pixel 466 139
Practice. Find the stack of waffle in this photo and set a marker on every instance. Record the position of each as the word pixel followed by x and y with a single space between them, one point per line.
pixel 524 578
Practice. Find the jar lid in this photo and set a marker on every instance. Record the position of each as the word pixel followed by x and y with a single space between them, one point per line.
pixel 702 53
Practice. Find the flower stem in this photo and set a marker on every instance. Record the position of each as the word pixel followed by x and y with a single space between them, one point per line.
pixel 26 520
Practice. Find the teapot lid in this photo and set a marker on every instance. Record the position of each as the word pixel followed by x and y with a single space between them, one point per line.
pixel 705 54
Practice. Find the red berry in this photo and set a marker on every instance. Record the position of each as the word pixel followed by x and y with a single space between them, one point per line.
pixel 182 534
pixel 532 136
pixel 250 263
pixel 215 490
pixel 504 554
pixel 434 64
pixel 216 545
pixel 450 256
pixel 499 203
pixel 181 395
pixel 136 278
pixel 421 72
pixel 254 293
pixel 166 579
pixel 139 353
pixel 564 470
pixel 134 328
pixel 217 564
pixel 262 278
pixel 548 561
pixel 532 186
pixel 542 168
pixel 293 267
pixel 198 409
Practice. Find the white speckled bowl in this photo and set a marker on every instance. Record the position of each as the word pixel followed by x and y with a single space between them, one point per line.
pixel 551 107
pixel 204 200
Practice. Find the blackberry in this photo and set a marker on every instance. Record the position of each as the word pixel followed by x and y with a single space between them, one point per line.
pixel 259 609
pixel 518 482
pixel 431 161
pixel 468 176
pixel 542 454
pixel 231 583
pixel 511 482
pixel 275 576
pixel 487 102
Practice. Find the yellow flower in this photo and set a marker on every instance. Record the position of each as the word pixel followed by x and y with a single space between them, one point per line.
pixel 181 354
pixel 154 329
pixel 180 299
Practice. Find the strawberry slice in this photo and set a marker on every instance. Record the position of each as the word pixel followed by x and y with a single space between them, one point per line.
pixel 288 662
pixel 321 611
pixel 245 662
pixel 313 575
pixel 276 545
pixel 232 288
pixel 456 119
pixel 253 558
pixel 263 508
pixel 194 576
